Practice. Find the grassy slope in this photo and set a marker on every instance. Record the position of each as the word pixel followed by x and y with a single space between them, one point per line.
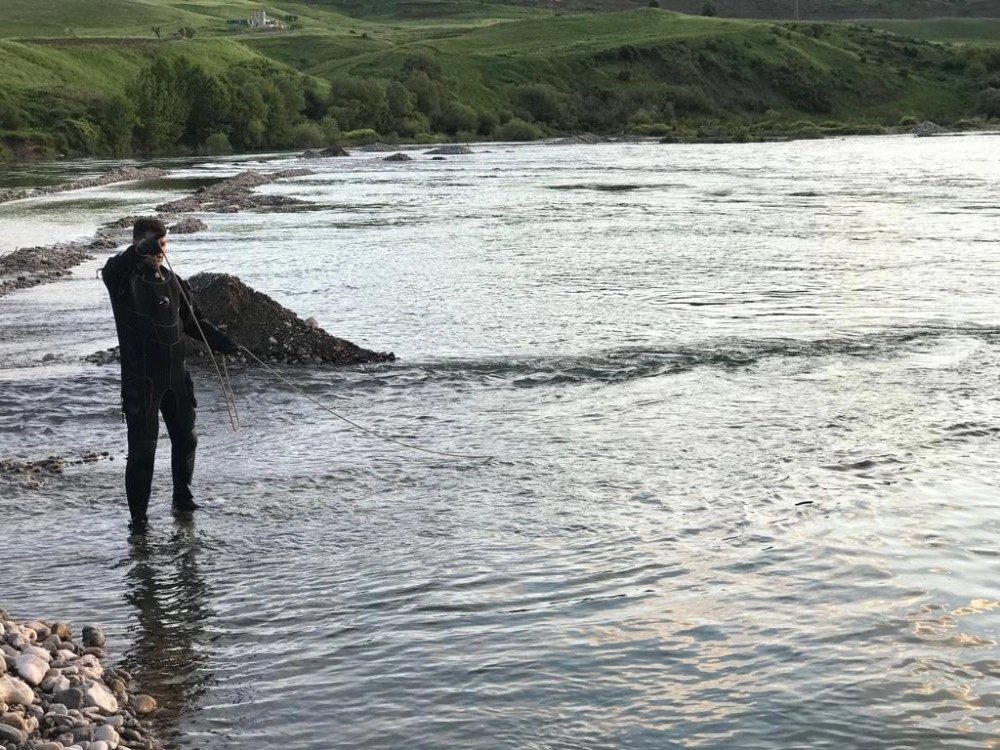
pixel 982 30
pixel 725 58
pixel 733 63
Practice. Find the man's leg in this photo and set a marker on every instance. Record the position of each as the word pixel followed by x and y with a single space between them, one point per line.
pixel 143 425
pixel 179 416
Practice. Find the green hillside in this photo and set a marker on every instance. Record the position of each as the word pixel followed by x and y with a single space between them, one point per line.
pixel 122 76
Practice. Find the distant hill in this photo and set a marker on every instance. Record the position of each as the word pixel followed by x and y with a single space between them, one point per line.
pixel 786 10
pixel 161 76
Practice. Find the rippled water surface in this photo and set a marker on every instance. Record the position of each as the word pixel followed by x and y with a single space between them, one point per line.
pixel 742 404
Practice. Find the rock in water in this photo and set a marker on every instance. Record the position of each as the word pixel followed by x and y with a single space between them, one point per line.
pixel 270 331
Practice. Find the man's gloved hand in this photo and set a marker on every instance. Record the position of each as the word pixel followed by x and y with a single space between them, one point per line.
pixel 229 345
pixel 148 246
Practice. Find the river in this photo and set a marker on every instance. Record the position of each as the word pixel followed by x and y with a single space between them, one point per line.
pixel 742 408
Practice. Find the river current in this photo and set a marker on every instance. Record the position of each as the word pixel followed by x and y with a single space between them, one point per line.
pixel 742 407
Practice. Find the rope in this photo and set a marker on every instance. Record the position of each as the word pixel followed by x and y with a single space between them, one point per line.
pixel 323 406
pixel 227 389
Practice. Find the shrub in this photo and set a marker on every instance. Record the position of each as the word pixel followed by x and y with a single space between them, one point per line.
pixel 709 9
pixel 361 136
pixel 907 121
pixel 988 102
pixel 80 136
pixel 456 116
pixel 10 116
pixel 218 143
pixel 657 129
pixel 976 70
pixel 330 128
pixel 518 130
pixel 308 135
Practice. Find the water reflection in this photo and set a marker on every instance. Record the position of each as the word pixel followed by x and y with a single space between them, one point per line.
pixel 169 596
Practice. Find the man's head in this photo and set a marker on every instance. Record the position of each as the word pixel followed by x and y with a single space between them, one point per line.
pixel 146 231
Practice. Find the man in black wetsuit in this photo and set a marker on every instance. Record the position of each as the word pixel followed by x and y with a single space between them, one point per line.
pixel 154 309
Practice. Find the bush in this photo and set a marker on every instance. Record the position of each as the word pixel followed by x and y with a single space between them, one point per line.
pixel 657 129
pixel 988 102
pixel 218 143
pixel 976 70
pixel 10 117
pixel 308 135
pixel 330 128
pixel 907 121
pixel 361 136
pixel 80 136
pixel 518 130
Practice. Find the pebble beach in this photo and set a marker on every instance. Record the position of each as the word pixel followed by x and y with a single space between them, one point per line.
pixel 56 694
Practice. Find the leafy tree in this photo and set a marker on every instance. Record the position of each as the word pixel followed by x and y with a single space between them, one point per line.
pixel 160 106
pixel 430 93
pixel 116 118
pixel 358 103
pixel 208 102
pixel 247 112
pixel 709 9
pixel 456 117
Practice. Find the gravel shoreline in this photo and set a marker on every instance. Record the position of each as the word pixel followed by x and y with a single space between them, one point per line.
pixel 56 695
pixel 27 267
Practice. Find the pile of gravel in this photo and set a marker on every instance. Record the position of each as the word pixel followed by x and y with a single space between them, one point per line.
pixel 235 194
pixel 272 332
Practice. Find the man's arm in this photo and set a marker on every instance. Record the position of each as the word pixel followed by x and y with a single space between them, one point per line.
pixel 117 269
pixel 193 319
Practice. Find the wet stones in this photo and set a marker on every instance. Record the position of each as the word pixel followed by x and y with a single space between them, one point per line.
pixel 399 157
pixel 928 128
pixel 31 668
pixel 453 149
pixel 34 474
pixel 329 151
pixel 188 225
pixel 235 194
pixel 77 703
pixel 93 636
pixel 30 266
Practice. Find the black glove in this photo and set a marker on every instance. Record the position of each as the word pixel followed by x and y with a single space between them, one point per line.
pixel 148 246
pixel 229 345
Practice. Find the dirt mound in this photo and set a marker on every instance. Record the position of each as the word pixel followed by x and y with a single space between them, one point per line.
pixel 273 333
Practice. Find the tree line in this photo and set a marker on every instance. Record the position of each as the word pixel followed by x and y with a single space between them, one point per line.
pixel 176 105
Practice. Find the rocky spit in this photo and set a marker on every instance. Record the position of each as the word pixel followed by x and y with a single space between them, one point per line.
pixel 32 474
pixel 236 194
pixel 122 174
pixel 56 695
pixel 29 266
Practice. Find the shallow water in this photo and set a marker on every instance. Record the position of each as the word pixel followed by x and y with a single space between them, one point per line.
pixel 742 406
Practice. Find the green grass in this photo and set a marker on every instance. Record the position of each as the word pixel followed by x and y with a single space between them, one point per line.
pixel 943 29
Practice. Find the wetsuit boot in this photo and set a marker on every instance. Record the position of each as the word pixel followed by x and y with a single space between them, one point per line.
pixel 139 480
